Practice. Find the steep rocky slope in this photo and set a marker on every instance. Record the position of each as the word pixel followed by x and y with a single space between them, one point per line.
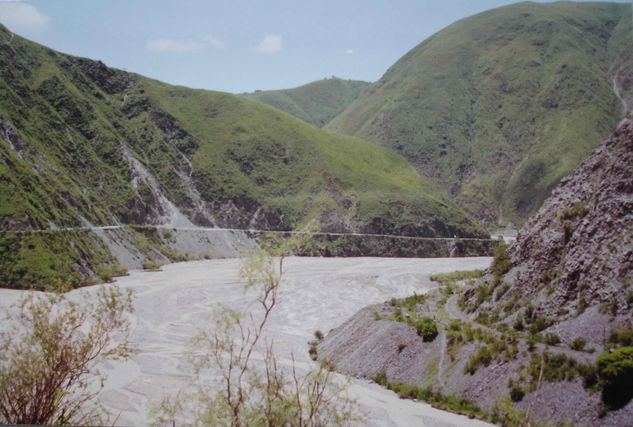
pixel 499 106
pixel 572 263
pixel 84 145
pixel 316 103
pixel 527 335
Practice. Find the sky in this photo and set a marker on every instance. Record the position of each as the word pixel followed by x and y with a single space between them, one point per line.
pixel 239 45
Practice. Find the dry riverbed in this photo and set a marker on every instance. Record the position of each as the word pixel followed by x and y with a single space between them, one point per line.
pixel 317 293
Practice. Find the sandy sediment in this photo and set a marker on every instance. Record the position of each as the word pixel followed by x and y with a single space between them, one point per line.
pixel 317 293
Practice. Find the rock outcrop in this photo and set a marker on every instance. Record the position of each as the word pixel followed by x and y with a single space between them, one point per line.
pixel 572 263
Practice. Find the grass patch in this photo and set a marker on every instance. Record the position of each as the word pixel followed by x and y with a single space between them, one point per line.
pixel 436 399
pixel 151 265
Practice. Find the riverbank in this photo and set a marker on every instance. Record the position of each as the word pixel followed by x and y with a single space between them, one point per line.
pixel 318 293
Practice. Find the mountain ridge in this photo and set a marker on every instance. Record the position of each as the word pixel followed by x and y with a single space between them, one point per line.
pixel 499 106
pixel 316 102
pixel 83 144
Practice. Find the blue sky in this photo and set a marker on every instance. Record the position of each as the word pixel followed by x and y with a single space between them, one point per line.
pixel 238 45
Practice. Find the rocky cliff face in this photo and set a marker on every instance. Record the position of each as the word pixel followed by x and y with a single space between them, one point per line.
pixel 572 263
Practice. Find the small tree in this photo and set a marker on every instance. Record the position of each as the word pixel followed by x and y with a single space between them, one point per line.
pixel 48 356
pixel 257 393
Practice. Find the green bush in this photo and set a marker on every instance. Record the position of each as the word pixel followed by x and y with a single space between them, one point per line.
pixel 552 339
pixel 482 358
pixel 427 329
pixel 615 371
pixel 105 274
pixel 501 262
pixel 622 336
pixel 119 270
pixel 380 378
pixel 518 325
pixel 578 344
pixel 151 265
pixel 539 324
pixel 517 393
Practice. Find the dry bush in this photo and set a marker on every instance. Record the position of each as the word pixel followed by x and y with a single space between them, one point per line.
pixel 48 356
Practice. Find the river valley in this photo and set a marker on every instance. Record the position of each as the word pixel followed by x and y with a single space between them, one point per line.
pixel 316 294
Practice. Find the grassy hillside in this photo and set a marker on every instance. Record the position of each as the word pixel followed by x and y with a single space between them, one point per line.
pixel 84 144
pixel 499 106
pixel 316 103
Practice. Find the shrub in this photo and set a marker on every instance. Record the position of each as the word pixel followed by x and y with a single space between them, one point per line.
pixel 427 329
pixel 312 351
pixel 501 262
pixel 539 324
pixel 578 344
pixel 119 270
pixel 615 370
pixel 552 339
pixel 518 324
pixel 48 371
pixel 578 210
pixel 517 393
pixel 105 274
pixel 151 265
pixel 380 378
pixel 622 336
pixel 271 394
pixel 483 293
pixel 482 358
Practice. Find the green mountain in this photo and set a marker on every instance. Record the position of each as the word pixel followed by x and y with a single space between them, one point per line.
pixel 82 144
pixel 499 106
pixel 316 103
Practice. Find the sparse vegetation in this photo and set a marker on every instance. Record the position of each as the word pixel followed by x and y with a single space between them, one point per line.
pixel 428 395
pixel 48 356
pixel 406 311
pixel 579 210
pixel 151 265
pixel 272 395
pixel 578 344
pixel 483 357
pixel 456 276
pixel 622 336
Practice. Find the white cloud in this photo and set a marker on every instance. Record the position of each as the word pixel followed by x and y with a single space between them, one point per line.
pixel 270 44
pixel 179 45
pixel 349 51
pixel 20 16
pixel 213 42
